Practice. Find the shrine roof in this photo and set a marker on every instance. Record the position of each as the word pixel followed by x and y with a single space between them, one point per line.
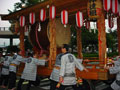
pixel 72 6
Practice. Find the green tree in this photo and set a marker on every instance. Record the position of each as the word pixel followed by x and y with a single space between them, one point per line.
pixel 112 40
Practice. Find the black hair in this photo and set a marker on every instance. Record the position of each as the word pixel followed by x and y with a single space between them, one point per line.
pixel 30 55
pixel 66 46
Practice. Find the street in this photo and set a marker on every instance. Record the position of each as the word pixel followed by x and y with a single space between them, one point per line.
pixel 45 85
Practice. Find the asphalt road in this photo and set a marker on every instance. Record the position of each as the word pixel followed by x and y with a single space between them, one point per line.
pixel 45 85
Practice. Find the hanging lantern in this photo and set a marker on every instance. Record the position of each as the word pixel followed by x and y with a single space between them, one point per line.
pixel 79 19
pixel 94 9
pixel 110 21
pixel 87 24
pixel 22 21
pixel 107 5
pixel 32 18
pixel 42 15
pixel 52 12
pixel 64 17
pixel 115 6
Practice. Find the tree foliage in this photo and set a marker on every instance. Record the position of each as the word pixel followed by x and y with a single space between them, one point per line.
pixel 23 3
pixel 90 39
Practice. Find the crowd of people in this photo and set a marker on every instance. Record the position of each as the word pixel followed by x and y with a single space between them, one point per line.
pixel 62 76
pixel 9 66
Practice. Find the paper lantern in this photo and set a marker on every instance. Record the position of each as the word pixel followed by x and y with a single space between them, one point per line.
pixel 115 6
pixel 32 18
pixel 42 15
pixel 107 5
pixel 64 17
pixel 110 21
pixel 52 12
pixel 79 19
pixel 22 21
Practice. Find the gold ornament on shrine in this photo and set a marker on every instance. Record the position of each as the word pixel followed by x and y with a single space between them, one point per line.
pixel 94 9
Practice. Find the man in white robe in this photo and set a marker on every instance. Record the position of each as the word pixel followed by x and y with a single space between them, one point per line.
pixel 67 69
pixel 30 71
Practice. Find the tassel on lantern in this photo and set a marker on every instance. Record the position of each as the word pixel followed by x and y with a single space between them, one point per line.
pixel 39 27
pixel 94 27
pixel 90 30
pixel 29 28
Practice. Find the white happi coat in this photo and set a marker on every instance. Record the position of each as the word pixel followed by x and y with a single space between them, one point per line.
pixel 115 70
pixel 30 70
pixel 67 70
pixel 5 67
pixel 55 73
pixel 15 60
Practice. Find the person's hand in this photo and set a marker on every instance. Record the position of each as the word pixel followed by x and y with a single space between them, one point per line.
pixel 86 69
pixel 112 61
pixel 61 79
pixel 106 67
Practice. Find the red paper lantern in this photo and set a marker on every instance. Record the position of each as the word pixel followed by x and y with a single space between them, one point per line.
pixel 110 22
pixel 79 19
pixel 64 17
pixel 42 15
pixel 107 5
pixel 32 18
pixel 115 6
pixel 22 21
pixel 87 24
pixel 52 12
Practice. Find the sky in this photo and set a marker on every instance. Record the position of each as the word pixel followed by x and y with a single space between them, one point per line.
pixel 9 4
pixel 4 6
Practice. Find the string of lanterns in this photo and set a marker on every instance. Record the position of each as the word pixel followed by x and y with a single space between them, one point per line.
pixel 52 15
pixel 112 7
pixel 109 5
